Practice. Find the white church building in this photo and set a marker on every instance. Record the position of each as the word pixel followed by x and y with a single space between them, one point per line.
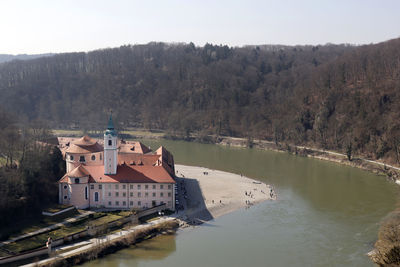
pixel 116 175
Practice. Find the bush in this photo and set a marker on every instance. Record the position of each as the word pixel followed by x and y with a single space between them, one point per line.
pixel 388 244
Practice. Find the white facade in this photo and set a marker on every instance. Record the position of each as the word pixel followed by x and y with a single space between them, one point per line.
pixel 117 195
pixel 110 153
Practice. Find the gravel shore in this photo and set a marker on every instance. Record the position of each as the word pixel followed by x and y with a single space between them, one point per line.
pixel 211 193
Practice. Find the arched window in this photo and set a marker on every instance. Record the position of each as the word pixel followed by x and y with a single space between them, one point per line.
pixel 93 157
pixel 109 142
pixel 71 157
pixel 96 196
pixel 82 158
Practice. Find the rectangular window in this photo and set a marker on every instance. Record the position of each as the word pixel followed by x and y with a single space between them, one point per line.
pixel 131 194
pixel 82 158
pixel 146 194
pixel 146 186
pixel 131 186
pixel 109 203
pixel 124 186
pixel 161 186
pixel 124 194
pixel 154 194
pixel 169 194
pixel 169 203
pixel 124 203
pixel 169 186
pixel 161 194
pixel 109 194
pixel 109 186
pixel 139 203
pixel 92 186
pixel 116 186
pixel 86 193
pixel 131 203
pixel 117 203
pixel 117 194
pixel 154 186
pixel 138 186
pixel 100 186
pixel 139 194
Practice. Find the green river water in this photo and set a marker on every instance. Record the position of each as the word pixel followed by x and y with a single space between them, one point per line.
pixel 326 215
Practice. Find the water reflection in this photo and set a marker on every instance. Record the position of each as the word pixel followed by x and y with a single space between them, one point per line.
pixel 155 249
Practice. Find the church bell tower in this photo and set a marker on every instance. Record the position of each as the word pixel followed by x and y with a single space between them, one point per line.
pixel 110 149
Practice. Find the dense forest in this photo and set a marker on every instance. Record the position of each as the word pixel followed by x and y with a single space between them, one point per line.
pixel 337 97
pixel 29 170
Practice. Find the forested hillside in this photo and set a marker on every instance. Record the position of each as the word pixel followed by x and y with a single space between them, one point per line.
pixel 331 96
pixel 29 170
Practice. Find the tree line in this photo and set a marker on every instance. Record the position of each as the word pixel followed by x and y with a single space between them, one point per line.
pixel 29 170
pixel 340 97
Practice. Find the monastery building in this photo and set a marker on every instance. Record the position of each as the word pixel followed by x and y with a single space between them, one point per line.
pixel 117 174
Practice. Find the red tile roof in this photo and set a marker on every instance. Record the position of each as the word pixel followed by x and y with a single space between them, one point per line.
pixel 85 141
pixel 137 159
pixel 130 174
pixel 133 147
pixel 78 172
pixel 76 149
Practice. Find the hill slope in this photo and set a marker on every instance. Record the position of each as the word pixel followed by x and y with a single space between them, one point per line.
pixel 329 96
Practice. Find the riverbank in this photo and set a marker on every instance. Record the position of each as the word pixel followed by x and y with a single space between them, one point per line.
pixel 212 193
pixel 84 251
pixel 377 167
pixel 204 194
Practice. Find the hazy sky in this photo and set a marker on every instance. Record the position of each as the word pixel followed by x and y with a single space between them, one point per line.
pixel 37 26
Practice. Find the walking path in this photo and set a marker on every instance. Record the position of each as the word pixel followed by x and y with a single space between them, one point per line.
pixel 88 244
pixel 47 229
pixel 343 155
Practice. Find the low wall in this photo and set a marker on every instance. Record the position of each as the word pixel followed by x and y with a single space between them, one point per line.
pixel 25 255
pixel 92 231
pixel 58 212
pixel 152 210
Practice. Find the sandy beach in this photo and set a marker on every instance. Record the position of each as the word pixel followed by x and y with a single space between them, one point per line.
pixel 211 193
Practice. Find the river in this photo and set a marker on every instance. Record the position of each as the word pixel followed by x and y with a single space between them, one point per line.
pixel 326 215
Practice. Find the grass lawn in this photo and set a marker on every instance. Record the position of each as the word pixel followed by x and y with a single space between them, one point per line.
pixel 57 208
pixel 40 240
pixel 32 224
pixel 3 254
pixel 142 133
pixel 67 132
pixel 132 132
pixel 106 219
